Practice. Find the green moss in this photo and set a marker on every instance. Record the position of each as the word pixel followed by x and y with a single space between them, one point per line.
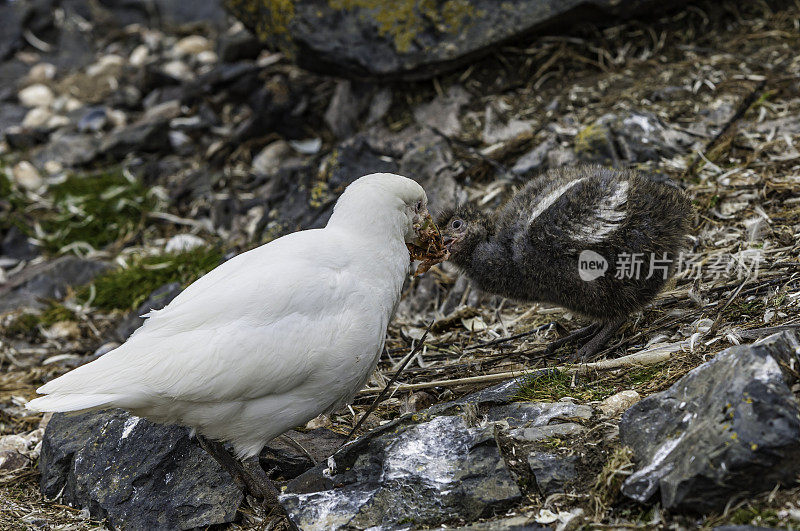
pixel 557 385
pixel 753 516
pixel 98 209
pixel 24 325
pixel 751 308
pixel 127 288
pixel 55 312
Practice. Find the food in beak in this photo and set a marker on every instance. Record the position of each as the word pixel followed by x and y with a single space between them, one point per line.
pixel 429 246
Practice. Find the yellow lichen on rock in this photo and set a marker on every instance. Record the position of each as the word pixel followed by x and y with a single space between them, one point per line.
pixel 404 20
pixel 268 18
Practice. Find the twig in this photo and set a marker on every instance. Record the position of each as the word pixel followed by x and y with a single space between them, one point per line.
pixel 510 338
pixel 755 333
pixel 651 356
pixel 380 396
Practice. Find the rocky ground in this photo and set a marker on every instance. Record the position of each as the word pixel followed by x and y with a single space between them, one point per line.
pixel 141 146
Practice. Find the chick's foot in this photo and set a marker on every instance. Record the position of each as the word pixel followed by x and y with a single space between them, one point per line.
pixel 573 337
pixel 597 341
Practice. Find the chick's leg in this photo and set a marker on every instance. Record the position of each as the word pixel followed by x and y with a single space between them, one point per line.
pixel 599 340
pixel 580 333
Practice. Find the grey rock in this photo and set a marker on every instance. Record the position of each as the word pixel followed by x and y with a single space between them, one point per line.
pixel 270 159
pixel 93 120
pixel 560 156
pixel 16 244
pixel 498 129
pixel 346 104
pixel 422 41
pixel 47 280
pixel 11 37
pixel 534 159
pixel 633 137
pixel 68 149
pixel 237 45
pixel 432 164
pixel 418 474
pixel 539 433
pixel 11 115
pixel 140 136
pixel 729 428
pixel 443 112
pixel 512 523
pixel 527 414
pixel 552 472
pixel 380 105
pixel 137 474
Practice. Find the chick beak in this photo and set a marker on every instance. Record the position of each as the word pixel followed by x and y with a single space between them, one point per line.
pixel 447 241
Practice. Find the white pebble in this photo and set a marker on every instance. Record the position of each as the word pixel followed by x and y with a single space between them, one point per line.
pixel 139 55
pixel 42 72
pixel 192 45
pixel 616 404
pixel 36 117
pixel 37 95
pixel 184 242
pixel 27 176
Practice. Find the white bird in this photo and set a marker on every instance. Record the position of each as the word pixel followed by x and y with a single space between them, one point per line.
pixel 269 339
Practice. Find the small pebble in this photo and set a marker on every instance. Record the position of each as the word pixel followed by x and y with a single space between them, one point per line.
pixel 192 45
pixel 42 72
pixel 36 95
pixel 27 176
pixel 36 117
pixel 616 404
pixel 184 242
pixel 139 55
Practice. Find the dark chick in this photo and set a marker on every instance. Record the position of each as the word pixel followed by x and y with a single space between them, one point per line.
pixel 552 241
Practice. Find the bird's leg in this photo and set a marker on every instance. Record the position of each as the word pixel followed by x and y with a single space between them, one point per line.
pixel 248 475
pixel 259 483
pixel 225 459
pixel 599 340
pixel 580 333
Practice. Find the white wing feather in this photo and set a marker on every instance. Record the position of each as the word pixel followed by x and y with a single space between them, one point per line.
pixel 232 344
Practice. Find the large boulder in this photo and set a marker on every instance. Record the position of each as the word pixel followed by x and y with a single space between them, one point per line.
pixel 728 429
pixel 412 39
pixel 136 474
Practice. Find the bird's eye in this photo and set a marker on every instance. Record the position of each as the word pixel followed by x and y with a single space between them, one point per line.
pixel 418 206
pixel 457 224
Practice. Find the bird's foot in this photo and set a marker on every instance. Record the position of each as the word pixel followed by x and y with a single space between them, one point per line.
pixel 572 337
pixel 596 343
pixel 262 488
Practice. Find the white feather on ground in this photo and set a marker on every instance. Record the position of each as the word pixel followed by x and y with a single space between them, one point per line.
pixel 271 338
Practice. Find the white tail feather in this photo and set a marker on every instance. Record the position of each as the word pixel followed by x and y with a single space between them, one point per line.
pixel 71 402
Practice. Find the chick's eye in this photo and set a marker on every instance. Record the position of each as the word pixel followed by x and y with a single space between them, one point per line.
pixel 457 224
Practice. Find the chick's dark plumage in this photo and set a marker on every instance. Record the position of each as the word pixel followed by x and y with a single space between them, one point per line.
pixel 539 246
